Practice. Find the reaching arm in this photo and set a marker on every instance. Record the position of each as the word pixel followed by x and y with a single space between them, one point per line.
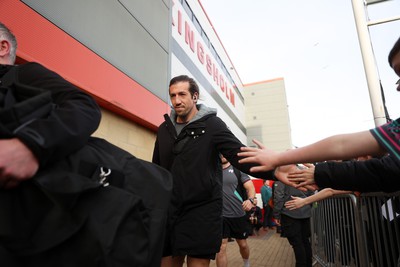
pixel 298 202
pixel 335 147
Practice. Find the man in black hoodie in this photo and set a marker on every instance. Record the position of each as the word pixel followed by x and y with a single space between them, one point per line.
pixel 188 144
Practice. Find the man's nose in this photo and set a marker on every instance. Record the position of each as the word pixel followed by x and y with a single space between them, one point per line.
pixel 178 100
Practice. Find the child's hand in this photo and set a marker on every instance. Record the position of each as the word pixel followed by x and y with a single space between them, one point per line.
pixel 295 203
pixel 302 177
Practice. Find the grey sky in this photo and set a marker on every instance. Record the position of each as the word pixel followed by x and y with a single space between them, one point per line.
pixel 313 45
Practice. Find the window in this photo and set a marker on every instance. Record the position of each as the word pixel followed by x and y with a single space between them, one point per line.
pixel 188 10
pixel 197 24
pixel 205 38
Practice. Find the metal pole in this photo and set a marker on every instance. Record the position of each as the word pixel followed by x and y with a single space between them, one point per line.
pixel 369 63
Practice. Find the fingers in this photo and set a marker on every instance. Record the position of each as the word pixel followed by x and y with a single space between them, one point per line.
pixel 289 206
pixel 248 151
pixel 309 165
pixel 305 183
pixel 258 143
pixel 302 188
pixel 247 158
pixel 247 206
pixel 295 180
pixel 247 154
pixel 295 174
pixel 312 187
pixel 259 169
pixel 297 177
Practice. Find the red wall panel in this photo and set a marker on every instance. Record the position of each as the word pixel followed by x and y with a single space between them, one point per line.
pixel 41 41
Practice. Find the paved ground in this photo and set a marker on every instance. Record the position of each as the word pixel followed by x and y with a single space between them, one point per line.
pixel 267 249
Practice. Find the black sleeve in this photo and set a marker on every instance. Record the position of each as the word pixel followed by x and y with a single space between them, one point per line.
pixel 228 145
pixel 372 175
pixel 75 117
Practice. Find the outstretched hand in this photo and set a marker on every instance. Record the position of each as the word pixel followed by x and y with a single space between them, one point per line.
pixel 260 155
pixel 282 173
pixel 303 177
pixel 295 203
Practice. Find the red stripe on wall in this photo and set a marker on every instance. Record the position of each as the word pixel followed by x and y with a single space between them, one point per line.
pixel 41 41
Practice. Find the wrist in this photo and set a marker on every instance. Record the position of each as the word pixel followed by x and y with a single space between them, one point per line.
pixel 253 200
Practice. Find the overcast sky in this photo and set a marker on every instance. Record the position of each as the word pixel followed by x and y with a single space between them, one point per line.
pixel 313 45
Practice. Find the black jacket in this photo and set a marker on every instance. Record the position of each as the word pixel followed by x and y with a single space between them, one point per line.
pixel 373 175
pixel 193 159
pixel 73 119
pixel 193 156
pixel 89 203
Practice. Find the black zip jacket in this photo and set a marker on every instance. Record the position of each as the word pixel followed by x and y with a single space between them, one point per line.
pixel 193 159
pixel 373 175
pixel 73 118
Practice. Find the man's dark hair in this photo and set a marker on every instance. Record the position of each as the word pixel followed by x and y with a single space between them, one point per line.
pixel 394 51
pixel 193 87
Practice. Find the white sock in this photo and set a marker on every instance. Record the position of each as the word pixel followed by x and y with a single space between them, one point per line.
pixel 246 263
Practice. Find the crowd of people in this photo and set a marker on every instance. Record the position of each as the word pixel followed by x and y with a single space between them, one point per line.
pixel 201 153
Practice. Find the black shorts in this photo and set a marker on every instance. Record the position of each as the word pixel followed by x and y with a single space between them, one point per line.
pixel 238 228
pixel 205 256
pixel 196 233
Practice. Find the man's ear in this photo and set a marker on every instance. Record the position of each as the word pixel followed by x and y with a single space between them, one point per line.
pixel 4 48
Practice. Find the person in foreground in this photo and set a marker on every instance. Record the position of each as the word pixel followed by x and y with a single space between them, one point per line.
pixel 376 142
pixel 39 142
pixel 235 224
pixel 188 144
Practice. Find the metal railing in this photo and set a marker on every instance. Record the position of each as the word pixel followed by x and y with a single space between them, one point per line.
pixel 356 231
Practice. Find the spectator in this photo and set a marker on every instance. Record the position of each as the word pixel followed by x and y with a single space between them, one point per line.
pixel 266 195
pixel 235 223
pixel 295 224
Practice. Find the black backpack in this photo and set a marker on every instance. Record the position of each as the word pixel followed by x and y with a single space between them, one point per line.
pixel 100 206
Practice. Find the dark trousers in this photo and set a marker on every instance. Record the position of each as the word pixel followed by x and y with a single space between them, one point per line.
pixel 298 233
pixel 267 217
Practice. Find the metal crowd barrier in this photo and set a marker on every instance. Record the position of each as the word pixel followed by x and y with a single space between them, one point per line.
pixel 356 231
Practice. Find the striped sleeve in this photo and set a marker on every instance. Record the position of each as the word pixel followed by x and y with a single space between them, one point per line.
pixel 388 135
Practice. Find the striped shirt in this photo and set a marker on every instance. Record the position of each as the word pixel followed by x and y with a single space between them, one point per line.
pixel 388 135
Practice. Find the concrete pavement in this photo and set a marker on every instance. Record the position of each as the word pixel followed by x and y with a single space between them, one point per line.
pixel 267 249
